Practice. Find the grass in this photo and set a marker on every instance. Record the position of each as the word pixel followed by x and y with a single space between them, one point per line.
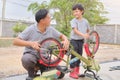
pixel 6 42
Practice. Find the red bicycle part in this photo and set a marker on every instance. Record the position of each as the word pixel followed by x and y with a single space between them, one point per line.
pixel 92 44
pixel 46 56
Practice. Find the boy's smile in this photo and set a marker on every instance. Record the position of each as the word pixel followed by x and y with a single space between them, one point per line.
pixel 78 13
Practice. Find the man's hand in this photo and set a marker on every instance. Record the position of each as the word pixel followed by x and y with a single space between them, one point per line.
pixel 35 45
pixel 66 44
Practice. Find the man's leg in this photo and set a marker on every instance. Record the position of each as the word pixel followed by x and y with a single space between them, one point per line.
pixel 29 61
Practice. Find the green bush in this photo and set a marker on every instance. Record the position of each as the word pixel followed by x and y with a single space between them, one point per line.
pixel 19 27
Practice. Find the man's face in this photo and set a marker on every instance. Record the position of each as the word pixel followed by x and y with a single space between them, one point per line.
pixel 77 13
pixel 46 21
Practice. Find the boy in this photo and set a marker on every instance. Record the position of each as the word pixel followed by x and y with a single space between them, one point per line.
pixel 80 30
pixel 34 34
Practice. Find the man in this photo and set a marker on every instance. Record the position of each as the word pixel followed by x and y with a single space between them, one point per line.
pixel 34 34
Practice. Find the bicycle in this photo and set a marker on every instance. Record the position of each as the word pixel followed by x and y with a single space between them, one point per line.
pixel 52 53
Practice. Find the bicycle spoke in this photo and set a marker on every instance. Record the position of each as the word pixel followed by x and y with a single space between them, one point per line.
pixel 48 46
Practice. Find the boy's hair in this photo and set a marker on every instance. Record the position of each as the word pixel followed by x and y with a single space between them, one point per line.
pixel 78 6
pixel 41 14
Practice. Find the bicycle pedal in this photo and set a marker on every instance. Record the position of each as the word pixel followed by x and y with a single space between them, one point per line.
pixel 67 71
pixel 62 68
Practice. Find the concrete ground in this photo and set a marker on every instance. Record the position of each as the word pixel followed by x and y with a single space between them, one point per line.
pixel 104 73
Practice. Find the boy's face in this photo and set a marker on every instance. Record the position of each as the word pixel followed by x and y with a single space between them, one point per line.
pixel 77 13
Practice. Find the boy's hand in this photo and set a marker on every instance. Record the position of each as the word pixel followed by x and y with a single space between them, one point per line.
pixel 86 36
pixel 35 45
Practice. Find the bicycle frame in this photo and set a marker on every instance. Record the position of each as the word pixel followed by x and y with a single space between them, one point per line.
pixel 58 51
pixel 87 61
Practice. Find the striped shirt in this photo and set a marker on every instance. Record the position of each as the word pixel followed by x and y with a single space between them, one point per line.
pixel 32 33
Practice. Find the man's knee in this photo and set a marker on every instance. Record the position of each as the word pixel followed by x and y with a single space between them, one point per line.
pixel 29 60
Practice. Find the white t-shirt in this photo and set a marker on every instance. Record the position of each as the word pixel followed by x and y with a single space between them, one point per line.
pixel 81 25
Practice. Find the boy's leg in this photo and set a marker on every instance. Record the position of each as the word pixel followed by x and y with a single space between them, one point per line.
pixel 29 61
pixel 74 44
pixel 72 66
pixel 80 51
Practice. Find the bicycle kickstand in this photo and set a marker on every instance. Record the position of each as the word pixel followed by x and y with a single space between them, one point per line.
pixel 94 75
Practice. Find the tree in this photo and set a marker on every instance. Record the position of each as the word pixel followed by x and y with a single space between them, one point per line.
pixel 94 11
pixel 18 27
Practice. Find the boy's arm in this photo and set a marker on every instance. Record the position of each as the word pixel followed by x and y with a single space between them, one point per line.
pixel 78 32
pixel 81 34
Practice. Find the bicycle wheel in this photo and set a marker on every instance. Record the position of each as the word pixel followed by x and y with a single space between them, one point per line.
pixel 92 44
pixel 47 57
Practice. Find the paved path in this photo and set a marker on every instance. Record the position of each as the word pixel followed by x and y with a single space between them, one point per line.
pixel 104 73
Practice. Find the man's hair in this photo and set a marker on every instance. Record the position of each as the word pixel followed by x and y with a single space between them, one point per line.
pixel 78 6
pixel 41 14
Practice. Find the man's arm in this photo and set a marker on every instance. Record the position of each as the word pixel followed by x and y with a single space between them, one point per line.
pixel 20 42
pixel 65 41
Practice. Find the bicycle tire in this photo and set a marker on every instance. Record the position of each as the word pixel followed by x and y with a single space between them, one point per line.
pixel 53 60
pixel 93 40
